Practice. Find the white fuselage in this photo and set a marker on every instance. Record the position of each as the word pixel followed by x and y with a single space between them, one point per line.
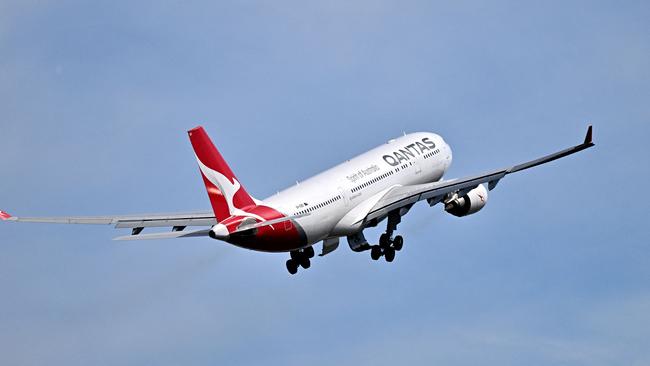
pixel 331 200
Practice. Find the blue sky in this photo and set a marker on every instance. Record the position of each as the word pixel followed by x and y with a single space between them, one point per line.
pixel 95 99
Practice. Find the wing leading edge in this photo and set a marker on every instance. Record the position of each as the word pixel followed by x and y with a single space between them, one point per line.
pixel 129 222
pixel 405 196
pixel 139 222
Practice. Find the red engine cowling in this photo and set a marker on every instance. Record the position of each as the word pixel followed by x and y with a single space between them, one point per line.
pixel 469 204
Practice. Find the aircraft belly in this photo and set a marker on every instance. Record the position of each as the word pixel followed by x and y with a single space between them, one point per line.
pixel 282 237
pixel 318 228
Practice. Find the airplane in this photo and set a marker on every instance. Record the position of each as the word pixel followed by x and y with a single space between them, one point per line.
pixel 379 185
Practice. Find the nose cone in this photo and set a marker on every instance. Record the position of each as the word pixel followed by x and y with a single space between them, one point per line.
pixel 219 232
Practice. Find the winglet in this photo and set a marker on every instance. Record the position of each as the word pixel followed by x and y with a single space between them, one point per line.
pixel 4 216
pixel 589 137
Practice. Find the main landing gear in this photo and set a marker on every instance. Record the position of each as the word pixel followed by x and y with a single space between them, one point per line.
pixel 387 247
pixel 300 258
pixel 387 244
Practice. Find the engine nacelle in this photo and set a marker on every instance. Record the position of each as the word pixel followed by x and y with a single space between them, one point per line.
pixel 469 204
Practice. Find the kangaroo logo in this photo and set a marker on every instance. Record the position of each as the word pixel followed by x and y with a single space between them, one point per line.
pixel 227 189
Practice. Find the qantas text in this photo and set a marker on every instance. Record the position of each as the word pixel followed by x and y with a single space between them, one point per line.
pixel 409 152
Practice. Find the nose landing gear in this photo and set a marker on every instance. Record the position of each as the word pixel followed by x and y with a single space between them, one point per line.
pixel 300 258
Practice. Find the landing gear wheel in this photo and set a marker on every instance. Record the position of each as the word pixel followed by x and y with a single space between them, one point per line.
pixel 309 252
pixel 384 240
pixel 389 255
pixel 295 255
pixel 398 243
pixel 375 252
pixel 292 266
pixel 305 263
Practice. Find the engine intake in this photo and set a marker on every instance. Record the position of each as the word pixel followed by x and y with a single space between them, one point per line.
pixel 468 204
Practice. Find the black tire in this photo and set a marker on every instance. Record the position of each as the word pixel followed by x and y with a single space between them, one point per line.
pixel 305 263
pixel 292 266
pixel 384 240
pixel 309 252
pixel 389 255
pixel 398 243
pixel 375 252
pixel 295 255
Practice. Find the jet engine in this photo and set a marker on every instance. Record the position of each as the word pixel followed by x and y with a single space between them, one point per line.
pixel 468 204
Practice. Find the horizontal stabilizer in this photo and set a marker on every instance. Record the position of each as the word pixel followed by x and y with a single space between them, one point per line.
pixel 169 235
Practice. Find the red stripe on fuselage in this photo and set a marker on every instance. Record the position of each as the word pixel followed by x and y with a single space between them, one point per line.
pixel 281 237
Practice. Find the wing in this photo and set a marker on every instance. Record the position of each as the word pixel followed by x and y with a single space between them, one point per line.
pixel 178 221
pixel 405 196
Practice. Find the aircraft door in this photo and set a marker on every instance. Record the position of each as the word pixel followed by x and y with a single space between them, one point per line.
pixel 417 165
pixel 344 196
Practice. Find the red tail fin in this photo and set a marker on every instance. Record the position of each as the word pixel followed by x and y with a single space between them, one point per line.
pixel 226 194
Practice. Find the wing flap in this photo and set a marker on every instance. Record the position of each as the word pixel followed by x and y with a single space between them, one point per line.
pixel 198 221
pixel 170 235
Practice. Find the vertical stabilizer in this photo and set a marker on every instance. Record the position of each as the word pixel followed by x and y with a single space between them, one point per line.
pixel 226 194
